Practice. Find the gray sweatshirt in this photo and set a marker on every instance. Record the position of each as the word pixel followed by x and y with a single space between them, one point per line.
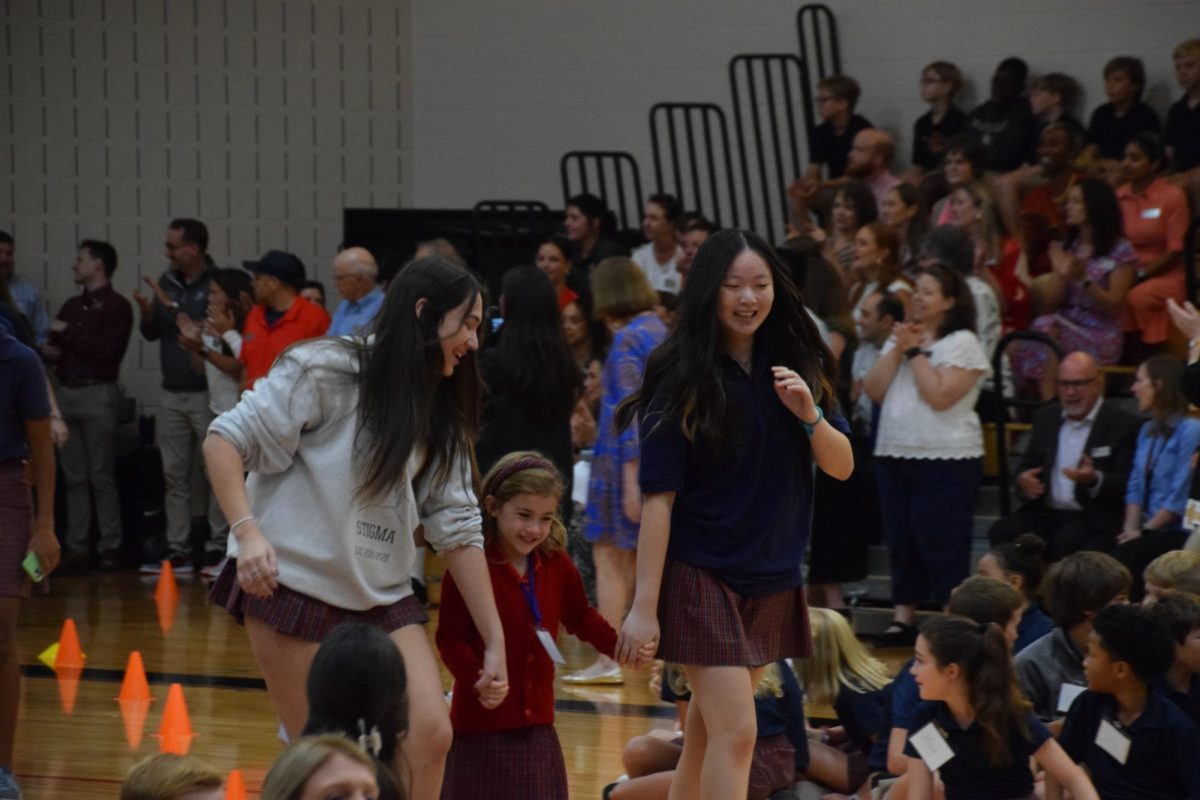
pixel 295 431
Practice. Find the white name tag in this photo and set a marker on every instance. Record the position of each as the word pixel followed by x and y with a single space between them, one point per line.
pixel 1191 516
pixel 1113 741
pixel 1101 452
pixel 933 749
pixel 1151 213
pixel 1067 694
pixel 550 647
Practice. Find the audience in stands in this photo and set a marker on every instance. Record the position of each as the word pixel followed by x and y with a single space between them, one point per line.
pixel 1133 742
pixel 280 316
pixel 167 776
pixel 951 246
pixel 831 140
pixel 853 206
pixel 25 296
pixel 877 317
pixel 354 276
pixel 554 258
pixel 87 342
pixel 1039 217
pixel 877 266
pixel 1155 215
pixel 962 164
pixel 998 256
pixel 1181 134
pixel 693 230
pixel 1050 670
pixel 903 211
pixel 440 248
pixel 591 229
pixel 933 130
pixel 929 444
pixel 324 766
pixel 183 413
pixel 870 161
pixel 1051 98
pixel 1076 466
pixel 1180 683
pixel 1019 564
pixel 1115 123
pixel 314 292
pixel 625 300
pixel 1004 123
pixel 657 257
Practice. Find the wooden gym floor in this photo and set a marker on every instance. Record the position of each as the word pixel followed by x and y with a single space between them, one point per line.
pixel 83 755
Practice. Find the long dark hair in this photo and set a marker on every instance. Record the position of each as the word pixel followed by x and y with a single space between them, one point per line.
pixel 404 402
pixel 960 316
pixel 1104 217
pixel 234 283
pixel 685 370
pixel 537 366
pixel 1165 371
pixel 1023 556
pixel 357 686
pixel 981 651
pixel 594 208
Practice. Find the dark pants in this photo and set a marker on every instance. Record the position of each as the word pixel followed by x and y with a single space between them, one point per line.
pixel 1138 553
pixel 1064 532
pixel 845 522
pixel 928 508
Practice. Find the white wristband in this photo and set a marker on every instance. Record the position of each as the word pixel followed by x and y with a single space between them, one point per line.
pixel 233 527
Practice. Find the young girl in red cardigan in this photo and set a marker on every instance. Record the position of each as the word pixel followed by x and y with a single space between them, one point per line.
pixel 512 751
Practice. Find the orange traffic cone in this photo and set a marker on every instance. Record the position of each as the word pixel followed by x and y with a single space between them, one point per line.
pixel 68 666
pixel 175 731
pixel 134 700
pixel 235 786
pixel 166 597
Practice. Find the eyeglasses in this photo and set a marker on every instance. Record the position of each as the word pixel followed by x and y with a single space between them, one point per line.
pixel 1081 384
pixel 825 98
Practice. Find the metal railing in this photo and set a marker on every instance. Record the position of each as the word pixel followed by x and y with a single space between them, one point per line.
pixel 612 175
pixel 820 55
pixel 692 159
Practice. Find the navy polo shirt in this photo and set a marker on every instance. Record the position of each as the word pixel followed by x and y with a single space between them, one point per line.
pixel 776 715
pixel 1034 625
pixel 1164 752
pixel 745 515
pixel 861 714
pixel 23 395
pixel 906 698
pixel 969 774
pixel 1188 702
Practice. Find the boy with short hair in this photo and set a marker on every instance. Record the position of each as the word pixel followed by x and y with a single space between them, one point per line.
pixel 1050 670
pixel 1114 123
pixel 1051 98
pixel 1182 133
pixel 1175 569
pixel 1180 684
pixel 1133 742
pixel 830 141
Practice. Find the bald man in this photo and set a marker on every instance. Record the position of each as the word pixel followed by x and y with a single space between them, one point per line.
pixel 354 276
pixel 1074 473
pixel 870 161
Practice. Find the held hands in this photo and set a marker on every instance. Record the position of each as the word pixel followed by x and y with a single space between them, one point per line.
pixel 794 393
pixel 908 335
pixel 492 685
pixel 638 640
pixel 1084 474
pixel 256 568
pixel 1030 483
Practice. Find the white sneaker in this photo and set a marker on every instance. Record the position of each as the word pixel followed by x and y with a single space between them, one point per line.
pixel 212 571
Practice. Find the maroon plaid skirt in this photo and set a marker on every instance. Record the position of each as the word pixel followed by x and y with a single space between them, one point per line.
pixel 16 527
pixel 704 623
pixel 304 617
pixel 507 765
pixel 773 767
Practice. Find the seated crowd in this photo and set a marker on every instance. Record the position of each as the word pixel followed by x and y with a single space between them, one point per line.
pixel 1012 217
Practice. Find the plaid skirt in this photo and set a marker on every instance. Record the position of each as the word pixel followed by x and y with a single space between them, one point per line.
pixel 704 623
pixel 525 764
pixel 16 528
pixel 773 766
pixel 304 617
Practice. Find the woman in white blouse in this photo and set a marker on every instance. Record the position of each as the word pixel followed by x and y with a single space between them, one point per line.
pixel 929 447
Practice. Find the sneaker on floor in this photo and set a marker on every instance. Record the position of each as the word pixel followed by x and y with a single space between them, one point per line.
pixel 212 570
pixel 604 672
pixel 180 565
pixel 9 790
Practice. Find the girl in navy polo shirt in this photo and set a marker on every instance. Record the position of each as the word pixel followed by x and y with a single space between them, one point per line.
pixel 976 730
pixel 731 428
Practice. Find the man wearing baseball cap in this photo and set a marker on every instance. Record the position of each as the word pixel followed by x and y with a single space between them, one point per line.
pixel 280 317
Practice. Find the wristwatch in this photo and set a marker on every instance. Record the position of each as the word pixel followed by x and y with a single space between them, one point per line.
pixel 912 353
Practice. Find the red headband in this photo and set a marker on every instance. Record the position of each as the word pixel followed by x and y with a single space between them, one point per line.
pixel 521 464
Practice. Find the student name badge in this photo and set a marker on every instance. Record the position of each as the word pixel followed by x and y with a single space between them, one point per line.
pixel 1191 516
pixel 932 748
pixel 1151 213
pixel 1066 696
pixel 1113 741
pixel 1101 452
pixel 550 647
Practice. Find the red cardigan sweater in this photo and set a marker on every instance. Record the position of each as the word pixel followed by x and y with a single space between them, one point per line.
pixel 530 699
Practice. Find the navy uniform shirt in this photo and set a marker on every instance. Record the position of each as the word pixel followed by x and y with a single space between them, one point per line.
pixel 23 395
pixel 1034 625
pixel 1111 133
pixel 1188 702
pixel 861 713
pixel 970 775
pixel 1163 762
pixel 1183 134
pixel 744 515
pixel 826 146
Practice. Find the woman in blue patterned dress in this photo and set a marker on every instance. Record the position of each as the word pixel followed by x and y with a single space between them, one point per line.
pixel 624 299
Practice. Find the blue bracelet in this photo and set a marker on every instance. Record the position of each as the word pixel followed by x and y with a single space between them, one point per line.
pixel 808 427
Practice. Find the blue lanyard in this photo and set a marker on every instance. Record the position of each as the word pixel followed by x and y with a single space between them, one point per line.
pixel 529 589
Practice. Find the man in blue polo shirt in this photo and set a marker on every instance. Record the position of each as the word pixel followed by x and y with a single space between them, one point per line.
pixel 354 276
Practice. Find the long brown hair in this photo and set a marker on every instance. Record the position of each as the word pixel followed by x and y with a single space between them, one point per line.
pixel 981 651
pixel 885 238
pixel 524 472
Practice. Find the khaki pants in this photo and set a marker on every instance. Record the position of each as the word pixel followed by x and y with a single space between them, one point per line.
pixel 89 465
pixel 182 425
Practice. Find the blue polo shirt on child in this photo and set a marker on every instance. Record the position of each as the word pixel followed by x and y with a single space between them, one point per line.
pixel 1163 762
pixel 1034 625
pixel 743 515
pixel 23 395
pixel 862 715
pixel 970 774
pixel 1188 702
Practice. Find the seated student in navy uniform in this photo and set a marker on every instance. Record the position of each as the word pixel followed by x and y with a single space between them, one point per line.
pixel 1136 744
pixel 1180 683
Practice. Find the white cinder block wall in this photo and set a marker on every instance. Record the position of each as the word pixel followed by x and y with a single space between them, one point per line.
pixel 266 117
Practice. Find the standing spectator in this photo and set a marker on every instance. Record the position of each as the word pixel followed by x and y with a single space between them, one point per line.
pixel 314 292
pixel 25 295
pixel 951 246
pixel 1004 123
pixel 877 315
pixel 1155 215
pixel 870 161
pixel 1182 134
pixel 280 316
pixel 693 230
pixel 657 257
pixel 24 434
pixel 625 300
pixel 1075 468
pixel 1116 122
pixel 963 163
pixel 592 230
pixel 354 276
pixel 183 413
pixel 929 446
pixel 940 81
pixel 903 211
pixel 554 259
pixel 88 341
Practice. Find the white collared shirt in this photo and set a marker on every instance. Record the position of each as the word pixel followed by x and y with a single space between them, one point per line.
pixel 1072 438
